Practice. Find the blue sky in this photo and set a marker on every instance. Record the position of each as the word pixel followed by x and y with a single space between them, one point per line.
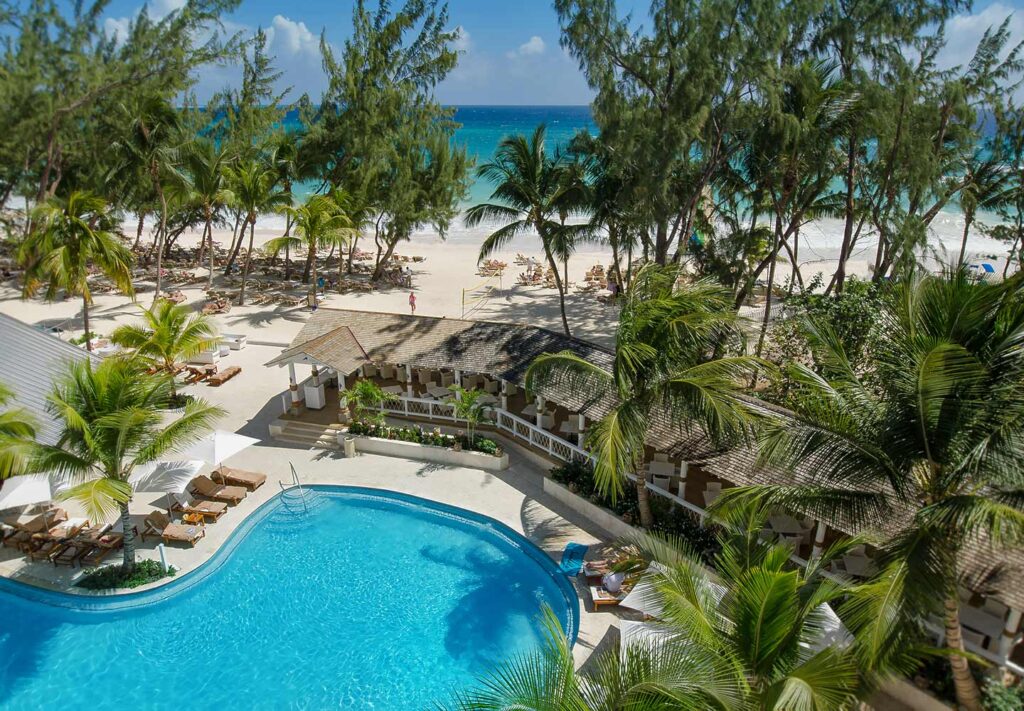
pixel 511 52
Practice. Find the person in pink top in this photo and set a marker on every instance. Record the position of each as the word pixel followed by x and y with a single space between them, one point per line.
pixel 412 302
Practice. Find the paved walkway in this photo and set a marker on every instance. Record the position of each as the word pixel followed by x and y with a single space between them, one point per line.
pixel 515 496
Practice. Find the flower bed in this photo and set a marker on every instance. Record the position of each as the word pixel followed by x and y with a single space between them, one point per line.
pixel 418 435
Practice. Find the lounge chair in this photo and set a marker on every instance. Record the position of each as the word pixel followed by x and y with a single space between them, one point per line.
pixel 72 550
pixel 239 477
pixel 603 598
pixel 159 524
pixel 207 509
pixel 223 376
pixel 103 547
pixel 205 487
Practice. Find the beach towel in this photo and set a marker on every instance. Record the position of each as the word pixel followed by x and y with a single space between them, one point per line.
pixel 572 559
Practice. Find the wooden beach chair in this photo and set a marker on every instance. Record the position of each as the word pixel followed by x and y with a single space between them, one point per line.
pixel 206 488
pixel 212 510
pixel 104 546
pixel 218 379
pixel 159 524
pixel 250 480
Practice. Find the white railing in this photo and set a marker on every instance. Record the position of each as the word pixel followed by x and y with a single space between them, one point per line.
pixel 524 431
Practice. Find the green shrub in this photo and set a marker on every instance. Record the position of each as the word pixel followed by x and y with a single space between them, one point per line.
pixel 418 435
pixel 79 340
pixel 114 576
pixel 1003 698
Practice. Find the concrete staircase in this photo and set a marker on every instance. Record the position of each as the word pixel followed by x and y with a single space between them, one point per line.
pixel 310 435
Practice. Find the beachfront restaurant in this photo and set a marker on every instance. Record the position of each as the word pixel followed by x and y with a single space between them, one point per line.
pixel 418 358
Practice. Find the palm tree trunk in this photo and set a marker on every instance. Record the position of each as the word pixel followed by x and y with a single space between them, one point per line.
pixel 771 284
pixel 1009 258
pixel 85 322
pixel 209 229
pixel 561 289
pixel 248 259
pixel 128 552
pixel 967 693
pixel 643 500
pixel 968 218
pixel 160 238
pixel 310 259
pixel 236 244
pixel 138 230
pixel 312 281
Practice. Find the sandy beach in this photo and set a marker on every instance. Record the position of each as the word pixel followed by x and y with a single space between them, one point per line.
pixel 446 283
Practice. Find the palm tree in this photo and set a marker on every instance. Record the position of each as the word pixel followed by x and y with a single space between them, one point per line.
pixel 111 422
pixel 365 396
pixel 988 186
pixel 469 407
pixel 286 159
pixel 319 222
pixel 170 333
pixel 203 162
pixel 253 185
pixel 534 193
pixel 17 432
pixel 67 238
pixel 926 443
pixel 755 634
pixel 665 360
pixel 153 132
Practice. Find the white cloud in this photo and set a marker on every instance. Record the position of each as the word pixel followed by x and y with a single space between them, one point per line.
pixel 462 41
pixel 286 36
pixel 964 31
pixel 161 8
pixel 534 45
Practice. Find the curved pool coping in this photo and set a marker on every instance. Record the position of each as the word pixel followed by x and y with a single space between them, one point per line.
pixel 114 602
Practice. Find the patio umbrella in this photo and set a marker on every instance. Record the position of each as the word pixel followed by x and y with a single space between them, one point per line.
pixel 25 490
pixel 165 477
pixel 218 446
pixel 645 598
pixel 640 634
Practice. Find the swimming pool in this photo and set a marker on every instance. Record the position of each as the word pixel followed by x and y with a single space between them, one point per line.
pixel 370 600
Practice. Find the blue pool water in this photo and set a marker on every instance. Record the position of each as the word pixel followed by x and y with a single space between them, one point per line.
pixel 372 600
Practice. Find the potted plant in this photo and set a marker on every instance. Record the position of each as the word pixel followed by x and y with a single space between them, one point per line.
pixel 468 407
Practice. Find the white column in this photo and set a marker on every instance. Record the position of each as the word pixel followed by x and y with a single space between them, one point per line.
pixel 293 387
pixel 1009 633
pixel 540 411
pixel 819 540
pixel 504 394
pixel 408 379
pixel 458 383
pixel 582 423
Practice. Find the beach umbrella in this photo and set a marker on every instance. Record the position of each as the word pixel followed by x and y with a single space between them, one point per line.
pixel 645 598
pixel 218 446
pixel 25 490
pixel 640 634
pixel 165 477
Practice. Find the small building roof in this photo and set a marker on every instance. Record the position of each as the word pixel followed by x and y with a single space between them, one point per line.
pixel 30 361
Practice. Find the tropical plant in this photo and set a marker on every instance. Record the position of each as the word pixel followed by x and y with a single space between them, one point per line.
pixel 111 424
pixel 366 399
pixel 203 163
pixel 925 446
pixel 321 221
pixel 150 145
pixel 534 192
pixel 68 238
pixel 666 360
pixel 169 334
pixel 253 186
pixel 756 633
pixel 469 406
pixel 17 433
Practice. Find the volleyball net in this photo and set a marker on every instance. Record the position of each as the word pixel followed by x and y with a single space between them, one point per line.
pixel 475 297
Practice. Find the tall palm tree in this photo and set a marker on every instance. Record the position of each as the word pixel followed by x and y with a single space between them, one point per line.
pixel 111 422
pixel 17 432
pixel 289 163
pixel 203 163
pixel 927 443
pixel 988 186
pixel 533 193
pixel 319 222
pixel 68 238
pixel 755 634
pixel 170 333
pixel 253 185
pixel 150 144
pixel 666 360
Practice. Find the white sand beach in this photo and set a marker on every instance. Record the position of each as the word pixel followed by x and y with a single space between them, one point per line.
pixel 447 285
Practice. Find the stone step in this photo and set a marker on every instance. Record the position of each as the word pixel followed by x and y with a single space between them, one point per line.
pixel 317 442
pixel 311 426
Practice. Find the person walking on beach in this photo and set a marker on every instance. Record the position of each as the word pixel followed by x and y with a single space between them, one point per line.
pixel 412 302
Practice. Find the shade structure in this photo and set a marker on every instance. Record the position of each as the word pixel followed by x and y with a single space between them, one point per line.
pixel 645 598
pixel 25 490
pixel 833 632
pixel 640 634
pixel 218 446
pixel 165 477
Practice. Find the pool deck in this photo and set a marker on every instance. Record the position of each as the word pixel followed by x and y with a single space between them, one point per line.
pixel 514 497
